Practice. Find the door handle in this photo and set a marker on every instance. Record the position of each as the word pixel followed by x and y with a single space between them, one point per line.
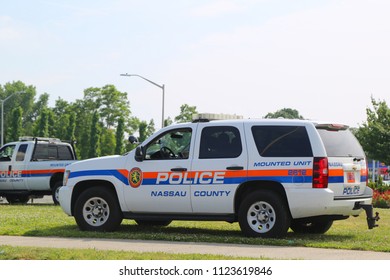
pixel 235 167
pixel 180 169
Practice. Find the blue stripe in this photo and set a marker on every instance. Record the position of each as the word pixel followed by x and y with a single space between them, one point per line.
pixel 37 175
pixel 335 179
pixel 112 172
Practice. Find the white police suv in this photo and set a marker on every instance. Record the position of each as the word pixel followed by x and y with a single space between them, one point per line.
pixel 267 175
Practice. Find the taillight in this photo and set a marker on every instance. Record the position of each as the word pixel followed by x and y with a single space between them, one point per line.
pixel 320 173
pixel 366 173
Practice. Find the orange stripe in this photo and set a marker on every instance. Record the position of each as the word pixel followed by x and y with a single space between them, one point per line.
pixel 124 172
pixel 44 171
pixel 336 172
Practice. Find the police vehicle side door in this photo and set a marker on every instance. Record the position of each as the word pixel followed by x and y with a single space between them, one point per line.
pixel 18 168
pixel 219 166
pixel 160 181
pixel 6 156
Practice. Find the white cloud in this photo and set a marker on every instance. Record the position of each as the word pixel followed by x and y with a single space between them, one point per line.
pixel 8 32
pixel 217 8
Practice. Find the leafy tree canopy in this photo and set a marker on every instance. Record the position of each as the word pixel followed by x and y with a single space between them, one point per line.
pixel 374 134
pixel 285 113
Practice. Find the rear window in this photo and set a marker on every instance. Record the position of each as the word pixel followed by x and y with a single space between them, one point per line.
pixel 52 152
pixel 282 141
pixel 341 143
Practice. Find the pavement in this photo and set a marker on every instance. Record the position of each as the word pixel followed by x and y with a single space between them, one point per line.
pixel 253 251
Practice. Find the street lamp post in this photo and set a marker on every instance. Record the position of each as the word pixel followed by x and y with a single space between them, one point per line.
pixel 2 117
pixel 157 85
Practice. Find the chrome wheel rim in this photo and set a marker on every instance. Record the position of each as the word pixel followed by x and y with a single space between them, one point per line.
pixel 261 217
pixel 96 211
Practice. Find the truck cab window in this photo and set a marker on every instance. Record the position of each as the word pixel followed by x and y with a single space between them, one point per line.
pixel 21 152
pixel 174 144
pixel 6 153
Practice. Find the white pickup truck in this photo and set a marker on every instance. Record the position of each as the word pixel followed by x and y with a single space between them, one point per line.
pixel 33 167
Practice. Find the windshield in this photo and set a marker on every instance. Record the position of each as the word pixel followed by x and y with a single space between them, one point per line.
pixel 341 143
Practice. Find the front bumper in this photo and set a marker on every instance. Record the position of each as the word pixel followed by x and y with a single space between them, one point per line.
pixel 65 199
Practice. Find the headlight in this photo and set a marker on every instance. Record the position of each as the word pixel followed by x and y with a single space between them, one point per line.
pixel 66 176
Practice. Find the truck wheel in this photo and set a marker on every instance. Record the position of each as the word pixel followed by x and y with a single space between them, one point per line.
pixel 97 209
pixel 55 191
pixel 263 214
pixel 17 199
pixel 313 227
pixel 162 223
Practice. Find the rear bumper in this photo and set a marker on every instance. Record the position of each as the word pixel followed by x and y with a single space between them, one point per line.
pixel 319 202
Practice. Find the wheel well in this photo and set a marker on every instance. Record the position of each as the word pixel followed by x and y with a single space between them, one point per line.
pixel 252 186
pixel 55 178
pixel 85 185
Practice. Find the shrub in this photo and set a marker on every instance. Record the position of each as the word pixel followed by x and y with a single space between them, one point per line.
pixel 381 197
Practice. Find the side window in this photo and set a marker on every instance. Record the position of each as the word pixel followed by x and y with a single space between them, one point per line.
pixel 52 152
pixel 282 141
pixel 7 152
pixel 174 144
pixel 20 155
pixel 220 142
pixel 64 153
pixel 42 152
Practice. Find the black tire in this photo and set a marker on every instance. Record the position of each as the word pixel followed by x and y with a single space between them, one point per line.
pixel 162 223
pixel 17 199
pixel 311 227
pixel 54 192
pixel 264 214
pixel 97 209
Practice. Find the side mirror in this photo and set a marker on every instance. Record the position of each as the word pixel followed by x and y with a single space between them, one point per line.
pixel 133 139
pixel 139 153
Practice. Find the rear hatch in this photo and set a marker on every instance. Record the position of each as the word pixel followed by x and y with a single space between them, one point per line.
pixel 347 161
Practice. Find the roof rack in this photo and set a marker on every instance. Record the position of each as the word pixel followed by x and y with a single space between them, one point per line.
pixel 206 117
pixel 31 138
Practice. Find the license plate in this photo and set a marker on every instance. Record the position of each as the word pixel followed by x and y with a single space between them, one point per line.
pixel 351 177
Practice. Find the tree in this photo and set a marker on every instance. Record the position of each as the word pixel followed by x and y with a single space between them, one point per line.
pixel 374 134
pixel 186 112
pixel 70 130
pixel 285 113
pixel 107 142
pixel 119 136
pixel 16 130
pixel 22 96
pixel 94 143
pixel 168 121
pixel 109 102
pixel 42 125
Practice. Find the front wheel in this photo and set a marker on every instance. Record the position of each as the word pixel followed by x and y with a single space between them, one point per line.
pixel 264 214
pixel 55 191
pixel 97 209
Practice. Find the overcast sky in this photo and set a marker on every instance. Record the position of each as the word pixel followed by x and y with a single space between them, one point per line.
pixel 248 57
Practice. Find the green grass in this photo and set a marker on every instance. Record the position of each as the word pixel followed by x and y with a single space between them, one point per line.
pixel 49 220
pixel 34 253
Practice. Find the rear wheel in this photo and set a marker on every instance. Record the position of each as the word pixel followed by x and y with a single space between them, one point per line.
pixel 314 226
pixel 264 214
pixel 97 209
pixel 17 199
